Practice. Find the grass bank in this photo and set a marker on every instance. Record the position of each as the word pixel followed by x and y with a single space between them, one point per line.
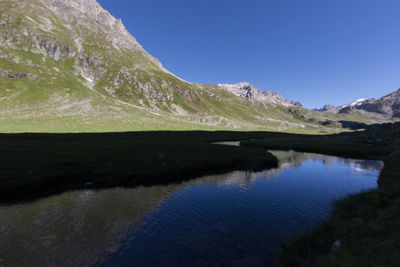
pixel 364 229
pixel 367 225
pixel 34 165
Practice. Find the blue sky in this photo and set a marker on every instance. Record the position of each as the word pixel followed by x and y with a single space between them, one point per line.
pixel 312 51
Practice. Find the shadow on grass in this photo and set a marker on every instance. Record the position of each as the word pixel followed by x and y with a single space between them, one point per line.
pixel 352 125
pixel 38 165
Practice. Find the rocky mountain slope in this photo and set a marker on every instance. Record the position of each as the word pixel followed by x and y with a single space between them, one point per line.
pixel 248 91
pixel 388 106
pixel 71 66
pixel 329 108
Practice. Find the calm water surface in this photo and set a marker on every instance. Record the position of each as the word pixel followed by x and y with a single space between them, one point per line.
pixel 235 219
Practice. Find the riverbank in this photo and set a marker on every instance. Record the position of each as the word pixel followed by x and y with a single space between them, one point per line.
pixel 364 229
pixel 36 165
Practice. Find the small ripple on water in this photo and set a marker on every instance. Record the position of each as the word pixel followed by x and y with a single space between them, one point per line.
pixel 238 218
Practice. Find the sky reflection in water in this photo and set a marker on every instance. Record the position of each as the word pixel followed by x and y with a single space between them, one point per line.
pixel 236 218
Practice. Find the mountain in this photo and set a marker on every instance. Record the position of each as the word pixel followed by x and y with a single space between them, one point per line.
pixel 71 66
pixel 388 106
pixel 248 91
pixel 358 102
pixel 336 109
pixel 329 108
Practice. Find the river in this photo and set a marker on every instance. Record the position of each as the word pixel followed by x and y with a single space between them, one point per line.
pixel 233 219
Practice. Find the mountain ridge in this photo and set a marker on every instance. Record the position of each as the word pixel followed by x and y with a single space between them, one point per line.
pixel 73 66
pixel 387 105
pixel 250 92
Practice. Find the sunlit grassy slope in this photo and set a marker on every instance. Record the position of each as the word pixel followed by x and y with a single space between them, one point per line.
pixel 59 100
pixel 90 85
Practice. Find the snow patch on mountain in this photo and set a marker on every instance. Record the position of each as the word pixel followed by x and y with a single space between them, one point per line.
pixel 356 103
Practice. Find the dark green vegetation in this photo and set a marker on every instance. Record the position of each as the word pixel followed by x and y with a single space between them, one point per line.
pixel 354 145
pixel 36 164
pixel 366 225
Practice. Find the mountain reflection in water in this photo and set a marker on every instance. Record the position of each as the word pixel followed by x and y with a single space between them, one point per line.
pixel 235 218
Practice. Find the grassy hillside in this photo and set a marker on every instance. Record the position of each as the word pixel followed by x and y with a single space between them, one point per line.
pixel 61 72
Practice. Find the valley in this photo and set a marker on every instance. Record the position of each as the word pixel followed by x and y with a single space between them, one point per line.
pixel 75 68
pixel 103 152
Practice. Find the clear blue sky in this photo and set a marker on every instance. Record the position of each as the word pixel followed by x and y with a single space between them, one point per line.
pixel 313 51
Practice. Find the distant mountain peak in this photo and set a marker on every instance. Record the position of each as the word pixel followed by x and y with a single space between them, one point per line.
pixel 329 108
pixel 387 106
pixel 356 103
pixel 250 92
pixel 359 102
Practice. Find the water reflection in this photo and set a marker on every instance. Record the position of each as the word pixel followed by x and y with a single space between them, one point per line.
pixel 75 228
pixel 292 159
pixel 236 218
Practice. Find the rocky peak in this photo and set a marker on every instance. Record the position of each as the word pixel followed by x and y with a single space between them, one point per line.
pixel 394 95
pixel 250 92
pixel 242 89
pixel 90 12
pixel 358 102
pixel 388 105
pixel 329 108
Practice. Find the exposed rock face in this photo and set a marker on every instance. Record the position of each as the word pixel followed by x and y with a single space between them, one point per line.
pixel 296 104
pixel 54 50
pixel 89 14
pixel 31 36
pixel 87 18
pixel 248 91
pixel 17 75
pixel 329 108
pixel 388 105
